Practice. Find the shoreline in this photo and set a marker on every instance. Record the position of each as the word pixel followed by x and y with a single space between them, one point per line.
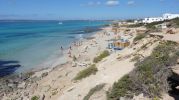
pixel 40 73
pixel 55 83
pixel 31 51
pixel 57 61
pixel 58 83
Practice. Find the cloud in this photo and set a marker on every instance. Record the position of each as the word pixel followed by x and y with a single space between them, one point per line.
pixel 131 2
pixel 92 3
pixel 112 3
pixel 98 3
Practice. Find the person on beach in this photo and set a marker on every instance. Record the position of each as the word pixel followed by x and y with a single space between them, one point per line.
pixel 61 48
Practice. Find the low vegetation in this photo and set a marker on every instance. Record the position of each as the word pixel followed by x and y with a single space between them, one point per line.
pixel 171 23
pixel 35 98
pixel 93 90
pixel 150 76
pixel 101 56
pixel 153 24
pixel 174 23
pixel 86 72
pixel 135 58
pixel 120 88
pixel 140 36
pixel 130 20
pixel 135 25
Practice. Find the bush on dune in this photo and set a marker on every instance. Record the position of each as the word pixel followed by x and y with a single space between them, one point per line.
pixel 175 22
pixel 150 75
pixel 101 56
pixel 35 98
pixel 120 88
pixel 86 72
pixel 93 90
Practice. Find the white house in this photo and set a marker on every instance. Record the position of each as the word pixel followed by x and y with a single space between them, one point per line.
pixel 166 16
pixel 152 19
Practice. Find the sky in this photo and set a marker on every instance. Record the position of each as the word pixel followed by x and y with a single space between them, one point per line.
pixel 85 9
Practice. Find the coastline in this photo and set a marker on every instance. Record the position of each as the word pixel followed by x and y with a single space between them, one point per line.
pixel 63 73
pixel 32 76
pixel 37 47
pixel 57 62
pixel 58 83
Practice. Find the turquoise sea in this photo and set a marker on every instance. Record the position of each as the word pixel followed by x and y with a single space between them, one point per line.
pixel 25 45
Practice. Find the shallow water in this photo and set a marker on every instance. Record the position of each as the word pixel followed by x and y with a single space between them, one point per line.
pixel 35 43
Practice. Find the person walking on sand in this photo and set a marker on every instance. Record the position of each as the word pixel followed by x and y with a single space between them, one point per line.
pixel 70 48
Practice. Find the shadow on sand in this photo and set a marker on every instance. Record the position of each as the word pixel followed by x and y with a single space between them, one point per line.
pixel 174 82
pixel 8 67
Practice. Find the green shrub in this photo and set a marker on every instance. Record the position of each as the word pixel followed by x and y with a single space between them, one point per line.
pixel 150 75
pixel 175 22
pixel 139 37
pixel 93 90
pixel 101 56
pixel 86 72
pixel 35 98
pixel 120 88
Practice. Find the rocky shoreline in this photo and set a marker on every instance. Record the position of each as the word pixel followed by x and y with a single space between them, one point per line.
pixel 16 83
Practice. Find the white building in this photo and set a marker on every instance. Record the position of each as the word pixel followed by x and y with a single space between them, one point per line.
pixel 166 16
pixel 152 19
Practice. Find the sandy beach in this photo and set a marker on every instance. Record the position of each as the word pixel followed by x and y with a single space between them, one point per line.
pixel 89 50
pixel 58 83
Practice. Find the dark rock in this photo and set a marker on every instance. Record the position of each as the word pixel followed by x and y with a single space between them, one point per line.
pixel 43 97
pixel 44 74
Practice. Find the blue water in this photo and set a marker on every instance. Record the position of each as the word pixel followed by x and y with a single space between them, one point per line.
pixel 31 43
